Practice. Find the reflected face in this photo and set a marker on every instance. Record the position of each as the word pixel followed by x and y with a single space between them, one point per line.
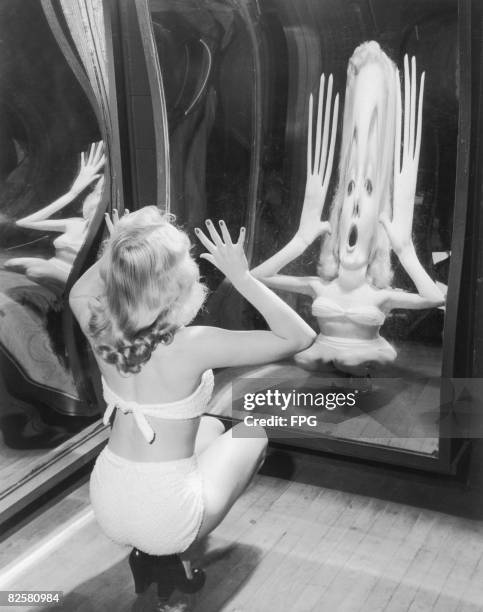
pixel 361 204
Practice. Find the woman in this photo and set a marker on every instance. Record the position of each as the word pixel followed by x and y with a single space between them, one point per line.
pixel 352 293
pixel 54 272
pixel 168 475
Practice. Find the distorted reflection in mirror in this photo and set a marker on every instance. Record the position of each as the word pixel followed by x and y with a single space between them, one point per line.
pixel 51 182
pixel 375 286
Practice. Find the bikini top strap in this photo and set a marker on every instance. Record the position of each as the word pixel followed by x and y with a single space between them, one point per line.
pixel 141 421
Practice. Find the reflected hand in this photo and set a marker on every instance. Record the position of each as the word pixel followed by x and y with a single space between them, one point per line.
pixel 111 223
pixel 319 165
pixel 399 229
pixel 225 255
pixel 91 164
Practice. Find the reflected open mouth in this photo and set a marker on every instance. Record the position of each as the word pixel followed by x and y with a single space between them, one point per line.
pixel 353 234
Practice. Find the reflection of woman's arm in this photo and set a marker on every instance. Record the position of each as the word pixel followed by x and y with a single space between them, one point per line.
pixel 319 169
pixel 88 173
pixel 274 264
pixel 428 296
pixel 399 228
pixel 37 219
pixel 267 271
pixel 87 287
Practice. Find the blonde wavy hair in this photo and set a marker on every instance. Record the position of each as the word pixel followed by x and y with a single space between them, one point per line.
pixel 379 271
pixel 152 287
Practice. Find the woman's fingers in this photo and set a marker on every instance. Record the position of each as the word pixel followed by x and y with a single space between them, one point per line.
pixel 98 153
pixel 100 163
pixel 318 129
pixel 241 237
pixel 397 139
pixel 225 233
pixel 417 147
pixel 109 224
pixel 205 241
pixel 309 136
pixel 333 134
pixel 213 233
pixel 325 139
pixel 92 151
pixel 406 105
pixel 208 257
pixel 412 116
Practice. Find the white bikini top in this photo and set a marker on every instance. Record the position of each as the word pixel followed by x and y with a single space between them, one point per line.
pixel 190 407
pixel 326 308
pixel 68 243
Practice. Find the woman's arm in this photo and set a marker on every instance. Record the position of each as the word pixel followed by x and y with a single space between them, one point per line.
pixel 88 173
pixel 267 271
pixel 399 228
pixel 319 170
pixel 429 295
pixel 288 332
pixel 88 287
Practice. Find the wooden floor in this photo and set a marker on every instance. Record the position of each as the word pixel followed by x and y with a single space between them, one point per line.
pixel 311 533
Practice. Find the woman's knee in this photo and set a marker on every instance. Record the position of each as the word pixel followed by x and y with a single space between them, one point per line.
pixel 34 274
pixel 255 437
pixel 213 423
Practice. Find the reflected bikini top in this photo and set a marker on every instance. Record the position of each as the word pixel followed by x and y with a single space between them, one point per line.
pixel 63 242
pixel 190 407
pixel 326 308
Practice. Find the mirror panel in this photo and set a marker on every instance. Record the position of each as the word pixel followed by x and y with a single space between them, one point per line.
pixel 49 194
pixel 210 61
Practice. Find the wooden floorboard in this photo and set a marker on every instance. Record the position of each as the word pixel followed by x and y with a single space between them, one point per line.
pixel 330 536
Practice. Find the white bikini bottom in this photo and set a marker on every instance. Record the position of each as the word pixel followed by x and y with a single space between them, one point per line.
pixel 156 507
pixel 353 352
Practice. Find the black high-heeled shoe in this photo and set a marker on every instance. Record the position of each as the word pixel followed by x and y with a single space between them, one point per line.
pixel 166 571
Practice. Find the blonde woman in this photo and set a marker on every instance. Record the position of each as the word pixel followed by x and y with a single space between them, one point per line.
pixel 54 272
pixel 169 475
pixel 372 212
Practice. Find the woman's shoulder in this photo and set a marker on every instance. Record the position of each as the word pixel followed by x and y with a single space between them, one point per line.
pixel 194 334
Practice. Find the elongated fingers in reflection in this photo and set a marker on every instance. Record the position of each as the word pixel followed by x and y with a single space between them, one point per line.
pixel 417 146
pixel 323 153
pixel 397 139
pixel 309 137
pixel 318 129
pixel 333 135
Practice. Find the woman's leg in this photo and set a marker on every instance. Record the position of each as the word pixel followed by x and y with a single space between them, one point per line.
pixel 310 358
pixel 41 271
pixel 227 466
pixel 209 430
pixel 20 264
